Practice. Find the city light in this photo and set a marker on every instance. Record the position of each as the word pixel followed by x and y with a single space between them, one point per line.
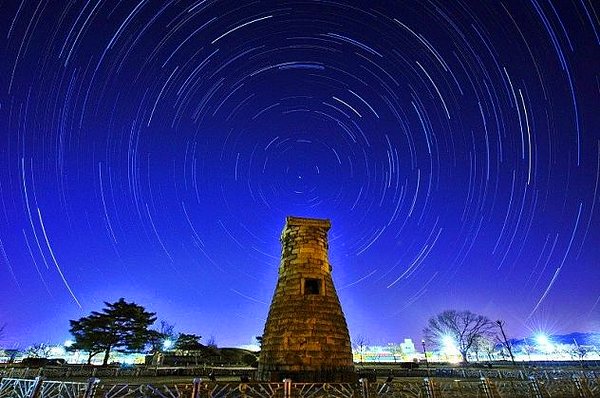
pixel 449 349
pixel 167 344
pixel 449 344
pixel 543 343
pixel 56 351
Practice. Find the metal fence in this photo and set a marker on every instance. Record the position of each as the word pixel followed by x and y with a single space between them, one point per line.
pixel 40 388
pixel 68 372
pixel 402 388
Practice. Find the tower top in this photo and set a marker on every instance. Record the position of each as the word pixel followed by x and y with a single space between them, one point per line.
pixel 292 221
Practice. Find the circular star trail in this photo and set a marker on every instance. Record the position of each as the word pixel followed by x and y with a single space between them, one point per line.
pixel 151 150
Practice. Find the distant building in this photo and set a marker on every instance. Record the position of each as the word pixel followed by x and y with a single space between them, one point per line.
pixel 407 347
pixel 393 352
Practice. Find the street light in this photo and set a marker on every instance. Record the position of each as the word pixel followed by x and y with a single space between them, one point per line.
pixel 542 340
pixel 425 355
pixel 544 344
pixel 449 348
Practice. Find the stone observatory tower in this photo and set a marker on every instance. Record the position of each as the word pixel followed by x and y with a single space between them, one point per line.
pixel 306 337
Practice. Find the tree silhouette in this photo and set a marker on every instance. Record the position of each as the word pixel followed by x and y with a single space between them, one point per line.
pixel 164 333
pixel 259 341
pixel 488 345
pixel 463 327
pixel 505 343
pixel 40 350
pixel 360 344
pixel 121 326
pixel 212 342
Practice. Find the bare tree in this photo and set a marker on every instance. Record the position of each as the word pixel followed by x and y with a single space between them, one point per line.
pixel 527 348
pixel 360 344
pixel 12 353
pixel 505 343
pixel 488 346
pixel 162 338
pixel 477 346
pixel 167 329
pixel 580 351
pixel 464 327
pixel 212 342
pixel 38 351
pixel 2 327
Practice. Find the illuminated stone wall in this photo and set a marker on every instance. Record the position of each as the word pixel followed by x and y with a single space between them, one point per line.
pixel 306 337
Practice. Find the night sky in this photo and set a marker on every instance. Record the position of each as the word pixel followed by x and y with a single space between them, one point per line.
pixel 151 150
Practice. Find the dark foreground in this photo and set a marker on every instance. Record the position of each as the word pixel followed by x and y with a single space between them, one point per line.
pixel 373 381
pixel 392 388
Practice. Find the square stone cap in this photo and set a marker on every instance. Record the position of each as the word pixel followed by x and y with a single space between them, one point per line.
pixel 304 221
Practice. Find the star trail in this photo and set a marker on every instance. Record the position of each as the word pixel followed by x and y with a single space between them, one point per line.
pixel 152 149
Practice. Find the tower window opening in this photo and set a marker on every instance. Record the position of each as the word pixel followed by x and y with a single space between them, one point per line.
pixel 312 286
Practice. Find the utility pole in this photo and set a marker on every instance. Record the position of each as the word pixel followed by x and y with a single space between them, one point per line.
pixel 501 326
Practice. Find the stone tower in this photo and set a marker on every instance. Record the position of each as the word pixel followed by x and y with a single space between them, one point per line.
pixel 306 337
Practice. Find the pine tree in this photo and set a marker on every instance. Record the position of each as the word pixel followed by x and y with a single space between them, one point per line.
pixel 188 342
pixel 120 326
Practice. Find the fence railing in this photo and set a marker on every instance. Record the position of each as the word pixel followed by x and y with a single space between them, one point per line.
pixel 494 373
pixel 402 388
pixel 38 388
pixel 67 372
pixel 70 371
